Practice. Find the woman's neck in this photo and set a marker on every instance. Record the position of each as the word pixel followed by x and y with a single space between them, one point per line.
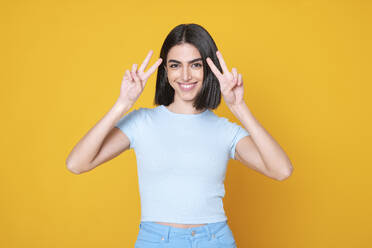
pixel 183 108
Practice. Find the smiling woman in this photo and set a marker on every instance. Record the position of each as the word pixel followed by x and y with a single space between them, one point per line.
pixel 185 72
pixel 184 82
pixel 182 147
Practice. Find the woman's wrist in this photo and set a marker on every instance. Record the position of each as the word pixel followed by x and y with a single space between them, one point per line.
pixel 122 106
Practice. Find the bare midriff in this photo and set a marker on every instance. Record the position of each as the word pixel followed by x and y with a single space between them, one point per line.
pixel 179 225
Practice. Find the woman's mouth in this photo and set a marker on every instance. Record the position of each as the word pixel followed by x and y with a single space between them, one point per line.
pixel 187 86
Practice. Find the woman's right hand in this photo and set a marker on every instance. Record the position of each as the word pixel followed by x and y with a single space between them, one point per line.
pixel 134 81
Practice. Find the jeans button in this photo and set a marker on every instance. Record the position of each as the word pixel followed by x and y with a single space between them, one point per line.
pixel 162 238
pixel 193 233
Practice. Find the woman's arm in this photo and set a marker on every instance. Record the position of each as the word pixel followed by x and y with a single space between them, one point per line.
pixel 94 149
pixel 270 159
pixel 87 148
pixel 261 151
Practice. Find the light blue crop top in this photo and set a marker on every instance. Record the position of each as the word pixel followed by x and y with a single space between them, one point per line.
pixel 181 163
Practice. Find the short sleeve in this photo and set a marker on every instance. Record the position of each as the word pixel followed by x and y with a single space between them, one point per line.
pixel 237 133
pixel 129 124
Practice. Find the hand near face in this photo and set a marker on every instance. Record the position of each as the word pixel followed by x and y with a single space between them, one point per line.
pixel 134 81
pixel 231 83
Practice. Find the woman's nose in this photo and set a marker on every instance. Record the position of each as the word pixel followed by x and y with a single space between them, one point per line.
pixel 186 74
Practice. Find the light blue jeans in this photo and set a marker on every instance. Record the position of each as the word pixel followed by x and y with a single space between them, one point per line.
pixel 211 235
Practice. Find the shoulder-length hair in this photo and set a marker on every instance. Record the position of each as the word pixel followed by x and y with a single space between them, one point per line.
pixel 210 94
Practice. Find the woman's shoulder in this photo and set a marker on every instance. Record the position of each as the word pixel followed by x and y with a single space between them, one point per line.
pixel 148 110
pixel 224 122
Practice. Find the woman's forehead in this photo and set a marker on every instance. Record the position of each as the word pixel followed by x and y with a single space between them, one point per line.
pixel 184 52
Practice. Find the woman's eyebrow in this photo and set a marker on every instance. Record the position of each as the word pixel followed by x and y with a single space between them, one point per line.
pixel 191 61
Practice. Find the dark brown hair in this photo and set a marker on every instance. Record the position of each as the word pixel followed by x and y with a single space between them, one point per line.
pixel 210 94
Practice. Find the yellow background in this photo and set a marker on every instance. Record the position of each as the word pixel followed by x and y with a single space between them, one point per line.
pixel 306 67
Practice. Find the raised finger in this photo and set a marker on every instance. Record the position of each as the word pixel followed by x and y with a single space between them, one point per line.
pixel 214 69
pixel 145 62
pixel 127 73
pixel 134 67
pixel 222 62
pixel 240 79
pixel 233 83
pixel 153 68
pixel 134 74
pixel 235 74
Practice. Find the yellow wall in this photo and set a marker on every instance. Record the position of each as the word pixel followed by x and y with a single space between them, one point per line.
pixel 307 74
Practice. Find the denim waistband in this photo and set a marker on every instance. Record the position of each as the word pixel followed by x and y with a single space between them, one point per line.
pixel 167 231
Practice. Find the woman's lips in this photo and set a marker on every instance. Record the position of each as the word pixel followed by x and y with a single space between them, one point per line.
pixel 187 86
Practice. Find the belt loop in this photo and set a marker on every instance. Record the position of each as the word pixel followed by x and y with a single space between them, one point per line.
pixel 208 229
pixel 167 234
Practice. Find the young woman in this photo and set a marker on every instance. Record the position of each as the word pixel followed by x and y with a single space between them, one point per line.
pixel 182 147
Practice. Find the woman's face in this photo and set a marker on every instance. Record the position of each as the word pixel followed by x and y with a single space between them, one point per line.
pixel 185 71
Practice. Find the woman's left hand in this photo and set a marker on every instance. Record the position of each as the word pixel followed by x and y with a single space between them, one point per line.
pixel 231 83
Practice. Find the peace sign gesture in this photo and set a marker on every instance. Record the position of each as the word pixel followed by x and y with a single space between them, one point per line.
pixel 134 81
pixel 231 83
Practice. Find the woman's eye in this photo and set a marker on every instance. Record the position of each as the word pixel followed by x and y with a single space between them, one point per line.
pixel 197 65
pixel 173 65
